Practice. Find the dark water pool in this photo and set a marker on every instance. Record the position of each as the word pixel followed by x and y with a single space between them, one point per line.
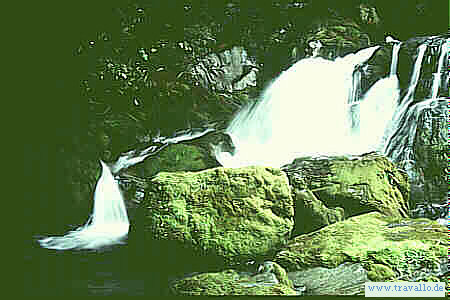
pixel 120 270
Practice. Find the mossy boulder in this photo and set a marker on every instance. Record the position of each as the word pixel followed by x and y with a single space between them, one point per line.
pixel 231 282
pixel 327 189
pixel 310 212
pixel 380 273
pixel 236 214
pixel 389 248
pixel 177 157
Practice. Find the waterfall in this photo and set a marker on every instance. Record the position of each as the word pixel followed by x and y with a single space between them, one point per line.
pixel 108 224
pixel 281 125
pixel 438 75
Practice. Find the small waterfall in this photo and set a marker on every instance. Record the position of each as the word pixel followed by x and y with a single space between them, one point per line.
pixel 108 224
pixel 394 63
pixel 438 75
pixel 415 77
pixel 400 147
pixel 406 101
pixel 377 106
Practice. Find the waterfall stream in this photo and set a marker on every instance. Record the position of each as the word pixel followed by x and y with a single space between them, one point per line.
pixel 108 225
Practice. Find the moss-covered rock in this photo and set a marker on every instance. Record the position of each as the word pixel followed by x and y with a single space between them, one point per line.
pixel 237 214
pixel 358 184
pixel 177 157
pixel 397 249
pixel 231 282
pixel 310 212
pixel 380 273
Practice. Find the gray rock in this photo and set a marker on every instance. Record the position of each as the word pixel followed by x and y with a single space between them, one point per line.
pixel 346 279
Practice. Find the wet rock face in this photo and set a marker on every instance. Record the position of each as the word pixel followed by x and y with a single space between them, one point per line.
pixel 327 190
pixel 346 279
pixel 236 214
pixel 430 149
pixel 388 248
pixel 230 70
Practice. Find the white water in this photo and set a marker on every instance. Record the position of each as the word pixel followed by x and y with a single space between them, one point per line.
pixel 438 75
pixel 378 107
pixel 107 225
pixel 394 62
pixel 304 112
pixel 376 112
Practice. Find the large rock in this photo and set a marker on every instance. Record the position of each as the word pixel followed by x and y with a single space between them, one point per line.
pixel 329 189
pixel 236 214
pixel 388 248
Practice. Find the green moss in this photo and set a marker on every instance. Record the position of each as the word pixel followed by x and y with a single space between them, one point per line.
pixel 369 239
pixel 236 213
pixel 281 275
pixel 380 273
pixel 178 157
pixel 359 185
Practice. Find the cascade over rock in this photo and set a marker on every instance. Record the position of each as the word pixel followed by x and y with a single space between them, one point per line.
pixel 269 132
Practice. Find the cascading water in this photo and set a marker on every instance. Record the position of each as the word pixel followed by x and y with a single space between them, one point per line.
pixel 394 62
pixel 409 97
pixel 378 107
pixel 399 116
pixel 438 75
pixel 284 125
pixel 402 147
pixel 108 224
